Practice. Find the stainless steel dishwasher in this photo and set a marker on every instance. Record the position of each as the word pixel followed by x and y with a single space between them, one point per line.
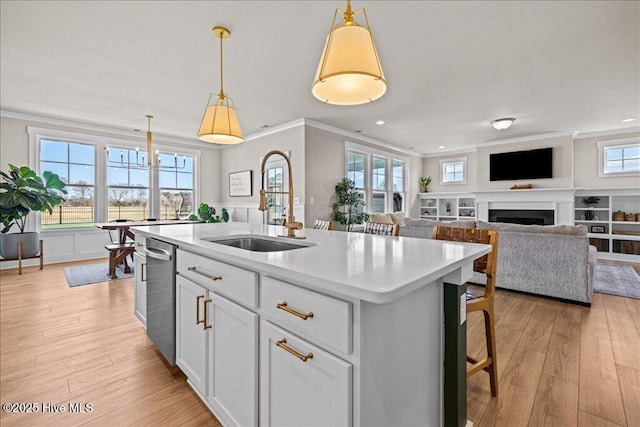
pixel 161 297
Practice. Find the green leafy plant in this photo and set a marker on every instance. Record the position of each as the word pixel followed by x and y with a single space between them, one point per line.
pixel 593 200
pixel 347 208
pixel 447 205
pixel 23 191
pixel 425 182
pixel 207 214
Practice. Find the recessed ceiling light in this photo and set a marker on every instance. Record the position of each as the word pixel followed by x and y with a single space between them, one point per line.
pixel 502 124
pixel 441 147
pixel 628 120
pixel 380 122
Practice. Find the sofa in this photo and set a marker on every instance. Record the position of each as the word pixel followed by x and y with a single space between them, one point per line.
pixel 551 260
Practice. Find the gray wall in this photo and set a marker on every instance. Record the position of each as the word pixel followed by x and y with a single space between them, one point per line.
pixel 585 154
pixel 248 156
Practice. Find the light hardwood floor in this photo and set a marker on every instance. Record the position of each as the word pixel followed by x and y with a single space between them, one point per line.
pixel 559 364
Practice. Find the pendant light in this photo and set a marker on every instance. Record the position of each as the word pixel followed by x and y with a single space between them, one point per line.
pixel 349 72
pixel 220 122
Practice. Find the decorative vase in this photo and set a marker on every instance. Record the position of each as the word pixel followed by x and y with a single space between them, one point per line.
pixel 588 214
pixel 9 244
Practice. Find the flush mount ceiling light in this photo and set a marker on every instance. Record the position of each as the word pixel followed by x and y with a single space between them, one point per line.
pixel 502 124
pixel 220 122
pixel 349 72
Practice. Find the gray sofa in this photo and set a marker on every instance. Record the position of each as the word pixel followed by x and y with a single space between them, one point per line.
pixel 555 261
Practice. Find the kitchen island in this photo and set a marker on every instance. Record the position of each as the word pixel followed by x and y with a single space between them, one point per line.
pixel 348 329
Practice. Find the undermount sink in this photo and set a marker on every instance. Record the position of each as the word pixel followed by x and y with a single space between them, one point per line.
pixel 256 244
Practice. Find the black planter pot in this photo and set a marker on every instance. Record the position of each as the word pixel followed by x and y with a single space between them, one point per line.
pixel 588 214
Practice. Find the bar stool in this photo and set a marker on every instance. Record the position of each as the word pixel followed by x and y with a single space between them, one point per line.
pixel 320 224
pixel 485 303
pixel 381 229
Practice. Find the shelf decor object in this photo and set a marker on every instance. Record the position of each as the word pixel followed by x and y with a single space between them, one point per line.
pixel 588 201
pixel 220 122
pixel 349 72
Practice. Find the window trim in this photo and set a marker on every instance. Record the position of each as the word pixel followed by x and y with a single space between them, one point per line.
pixel 100 142
pixel 389 158
pixel 603 146
pixel 445 162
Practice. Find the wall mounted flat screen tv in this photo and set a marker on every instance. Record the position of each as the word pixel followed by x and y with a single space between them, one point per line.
pixel 531 164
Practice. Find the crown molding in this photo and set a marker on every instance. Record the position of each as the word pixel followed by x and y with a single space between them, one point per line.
pixel 274 129
pixel 451 152
pixel 607 132
pixel 527 138
pixel 111 130
pixel 356 136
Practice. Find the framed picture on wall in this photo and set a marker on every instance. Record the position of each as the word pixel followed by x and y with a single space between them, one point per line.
pixel 241 184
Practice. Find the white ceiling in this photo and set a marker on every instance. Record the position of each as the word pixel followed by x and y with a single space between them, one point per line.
pixel 451 67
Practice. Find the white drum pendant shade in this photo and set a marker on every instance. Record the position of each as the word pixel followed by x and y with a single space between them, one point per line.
pixel 220 124
pixel 349 72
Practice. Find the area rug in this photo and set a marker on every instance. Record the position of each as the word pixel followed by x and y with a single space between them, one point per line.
pixel 93 273
pixel 619 280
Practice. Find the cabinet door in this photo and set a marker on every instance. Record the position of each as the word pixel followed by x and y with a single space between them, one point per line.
pixel 233 376
pixel 293 392
pixel 191 338
pixel 140 292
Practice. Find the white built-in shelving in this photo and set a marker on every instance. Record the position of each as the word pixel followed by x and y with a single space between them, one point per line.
pixel 447 206
pixel 614 238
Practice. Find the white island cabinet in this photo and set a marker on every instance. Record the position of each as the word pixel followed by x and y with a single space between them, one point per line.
pixel 346 330
pixel 140 284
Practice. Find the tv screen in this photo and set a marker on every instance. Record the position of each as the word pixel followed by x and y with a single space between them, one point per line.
pixel 531 164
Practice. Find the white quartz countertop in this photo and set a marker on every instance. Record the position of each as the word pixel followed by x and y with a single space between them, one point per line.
pixel 371 268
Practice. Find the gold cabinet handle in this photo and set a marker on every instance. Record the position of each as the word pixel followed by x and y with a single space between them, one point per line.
pixel 198 298
pixel 282 344
pixel 283 306
pixel 206 315
pixel 139 244
pixel 208 276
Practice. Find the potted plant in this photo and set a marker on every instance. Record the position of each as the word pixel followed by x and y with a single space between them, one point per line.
pixel 207 214
pixel 347 208
pixel 447 206
pixel 425 182
pixel 21 192
pixel 588 202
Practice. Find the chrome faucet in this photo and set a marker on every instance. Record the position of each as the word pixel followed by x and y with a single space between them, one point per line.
pixel 291 224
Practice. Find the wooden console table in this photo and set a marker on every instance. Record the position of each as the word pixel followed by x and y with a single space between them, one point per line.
pixel 20 258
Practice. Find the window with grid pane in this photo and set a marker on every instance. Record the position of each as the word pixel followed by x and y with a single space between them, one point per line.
pixel 75 164
pixel 356 168
pixel 127 184
pixel 398 172
pixel 378 185
pixel 453 171
pixel 622 159
pixel 176 185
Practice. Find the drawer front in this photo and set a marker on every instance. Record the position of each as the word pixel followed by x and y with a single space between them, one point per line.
pixel 300 384
pixel 236 283
pixel 287 305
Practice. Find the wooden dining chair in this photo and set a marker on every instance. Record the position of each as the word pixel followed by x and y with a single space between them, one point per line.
pixel 485 302
pixel 320 224
pixel 381 229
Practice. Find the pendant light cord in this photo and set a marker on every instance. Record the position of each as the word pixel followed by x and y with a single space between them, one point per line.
pixel 221 94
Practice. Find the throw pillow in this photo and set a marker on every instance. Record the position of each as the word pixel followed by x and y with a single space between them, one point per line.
pixel 381 218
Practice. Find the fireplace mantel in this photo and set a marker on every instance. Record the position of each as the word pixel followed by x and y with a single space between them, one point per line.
pixel 560 200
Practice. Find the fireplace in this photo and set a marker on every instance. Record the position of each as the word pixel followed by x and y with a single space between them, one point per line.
pixel 522 216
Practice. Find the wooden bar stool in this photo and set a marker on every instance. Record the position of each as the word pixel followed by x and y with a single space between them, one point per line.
pixel 485 303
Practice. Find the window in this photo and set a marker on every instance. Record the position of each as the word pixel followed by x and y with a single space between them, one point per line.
pixel 75 164
pixel 275 202
pixel 453 171
pixel 619 158
pixel 379 175
pixel 127 184
pixel 176 186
